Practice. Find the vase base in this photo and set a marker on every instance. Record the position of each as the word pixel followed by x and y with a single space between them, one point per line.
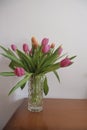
pixel 35 109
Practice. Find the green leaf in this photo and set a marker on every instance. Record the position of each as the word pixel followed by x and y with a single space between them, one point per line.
pixel 10 55
pixel 37 55
pixel 20 83
pixel 46 88
pixel 50 68
pixel 50 59
pixel 12 65
pixel 72 57
pixel 7 74
pixel 26 60
pixel 42 60
pixel 7 51
pixel 22 86
pixel 57 76
pixel 13 58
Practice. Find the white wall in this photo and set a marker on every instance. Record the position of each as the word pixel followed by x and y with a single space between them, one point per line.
pixel 63 22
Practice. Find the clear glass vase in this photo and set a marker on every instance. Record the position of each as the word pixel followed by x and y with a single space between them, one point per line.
pixel 35 93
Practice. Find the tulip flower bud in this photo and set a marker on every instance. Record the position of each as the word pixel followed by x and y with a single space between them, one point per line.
pixel 13 47
pixel 34 42
pixel 60 49
pixel 65 62
pixel 25 48
pixel 19 71
pixel 46 48
pixel 52 45
pixel 45 41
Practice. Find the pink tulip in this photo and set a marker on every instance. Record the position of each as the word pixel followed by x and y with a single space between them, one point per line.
pixel 45 41
pixel 60 49
pixel 25 48
pixel 19 71
pixel 13 47
pixel 46 48
pixel 65 62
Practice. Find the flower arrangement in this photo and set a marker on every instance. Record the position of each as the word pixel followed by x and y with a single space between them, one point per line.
pixel 39 60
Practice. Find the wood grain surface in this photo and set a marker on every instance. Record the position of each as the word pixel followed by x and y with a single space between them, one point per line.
pixel 58 114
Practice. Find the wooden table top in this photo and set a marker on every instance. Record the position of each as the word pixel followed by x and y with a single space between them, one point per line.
pixel 58 114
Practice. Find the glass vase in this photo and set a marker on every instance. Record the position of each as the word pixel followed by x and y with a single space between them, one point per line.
pixel 35 93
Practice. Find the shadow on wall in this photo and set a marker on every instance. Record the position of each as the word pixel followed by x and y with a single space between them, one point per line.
pixel 8 104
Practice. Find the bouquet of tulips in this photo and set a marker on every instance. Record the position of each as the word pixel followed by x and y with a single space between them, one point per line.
pixel 40 59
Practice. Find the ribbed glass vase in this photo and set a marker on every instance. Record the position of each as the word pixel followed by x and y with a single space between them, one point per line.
pixel 35 93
